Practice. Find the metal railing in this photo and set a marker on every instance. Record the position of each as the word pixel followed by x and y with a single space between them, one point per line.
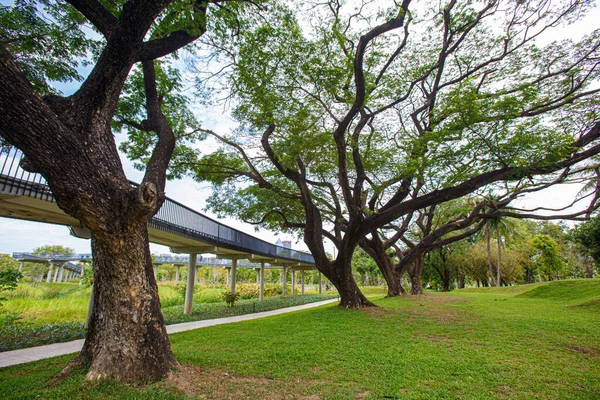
pixel 173 217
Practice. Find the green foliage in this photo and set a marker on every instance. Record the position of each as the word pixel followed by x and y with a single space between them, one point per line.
pixel 53 250
pixel 588 235
pixel 16 334
pixel 230 298
pixel 131 114
pixel 48 41
pixel 547 256
pixel 88 275
pixel 9 279
pixel 7 262
pixel 365 266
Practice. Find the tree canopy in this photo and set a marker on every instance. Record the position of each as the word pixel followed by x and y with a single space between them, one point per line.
pixel 369 113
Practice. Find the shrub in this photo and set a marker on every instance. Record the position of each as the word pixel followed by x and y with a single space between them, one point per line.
pixel 230 298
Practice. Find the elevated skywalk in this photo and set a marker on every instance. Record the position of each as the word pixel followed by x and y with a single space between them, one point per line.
pixel 26 196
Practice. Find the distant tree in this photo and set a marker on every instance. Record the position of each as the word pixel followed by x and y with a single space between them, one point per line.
pixel 548 257
pixel 365 266
pixel 476 267
pixel 7 262
pixel 500 228
pixel 53 249
pixel 587 235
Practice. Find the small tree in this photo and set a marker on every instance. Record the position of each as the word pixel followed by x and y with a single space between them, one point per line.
pixel 9 279
pixel 230 298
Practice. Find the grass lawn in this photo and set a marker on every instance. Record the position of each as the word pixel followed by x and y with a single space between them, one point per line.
pixel 536 341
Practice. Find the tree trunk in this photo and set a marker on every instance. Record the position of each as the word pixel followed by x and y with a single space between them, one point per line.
pixel 498 276
pixel 489 254
pixel 341 277
pixel 414 272
pixel 127 338
pixel 391 274
pixel 529 276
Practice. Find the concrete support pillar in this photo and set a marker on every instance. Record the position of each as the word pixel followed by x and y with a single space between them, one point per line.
pixel 61 273
pixel 283 281
pixel 55 274
pixel 21 266
pixel 49 273
pixel 90 308
pixel 320 283
pixel 257 275
pixel 302 281
pixel 155 272
pixel 228 275
pixel 233 274
pixel 189 289
pixel 261 277
pixel 293 282
pixel 177 274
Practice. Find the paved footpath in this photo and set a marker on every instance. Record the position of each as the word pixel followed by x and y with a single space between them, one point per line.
pixel 23 356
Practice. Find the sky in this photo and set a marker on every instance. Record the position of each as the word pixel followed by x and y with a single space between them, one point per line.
pixel 24 236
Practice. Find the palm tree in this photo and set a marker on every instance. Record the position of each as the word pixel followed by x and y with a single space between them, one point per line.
pixel 501 227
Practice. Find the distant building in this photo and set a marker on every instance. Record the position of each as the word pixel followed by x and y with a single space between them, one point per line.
pixel 284 243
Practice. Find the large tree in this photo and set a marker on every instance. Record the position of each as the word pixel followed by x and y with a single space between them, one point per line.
pixel 358 107
pixel 69 140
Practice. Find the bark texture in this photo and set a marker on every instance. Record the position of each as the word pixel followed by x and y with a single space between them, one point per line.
pixel 350 294
pixel 392 275
pixel 414 273
pixel 127 338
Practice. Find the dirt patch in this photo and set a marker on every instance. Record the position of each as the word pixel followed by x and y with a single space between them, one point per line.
pixel 220 385
pixel 581 349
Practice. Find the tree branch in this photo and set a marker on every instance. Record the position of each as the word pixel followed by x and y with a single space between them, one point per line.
pixel 97 14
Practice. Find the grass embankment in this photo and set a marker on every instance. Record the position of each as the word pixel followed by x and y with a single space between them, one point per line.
pixel 51 313
pixel 539 341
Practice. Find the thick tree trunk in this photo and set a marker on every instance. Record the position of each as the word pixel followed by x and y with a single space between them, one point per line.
pixel 127 338
pixel 340 275
pixel 391 274
pixel 414 273
pixel 394 283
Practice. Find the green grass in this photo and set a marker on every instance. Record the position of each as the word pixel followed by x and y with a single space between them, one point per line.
pixel 534 342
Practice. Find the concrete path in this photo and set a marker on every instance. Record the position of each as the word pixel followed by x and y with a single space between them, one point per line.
pixel 23 356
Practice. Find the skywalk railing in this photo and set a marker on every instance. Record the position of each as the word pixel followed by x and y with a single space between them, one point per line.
pixel 173 217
